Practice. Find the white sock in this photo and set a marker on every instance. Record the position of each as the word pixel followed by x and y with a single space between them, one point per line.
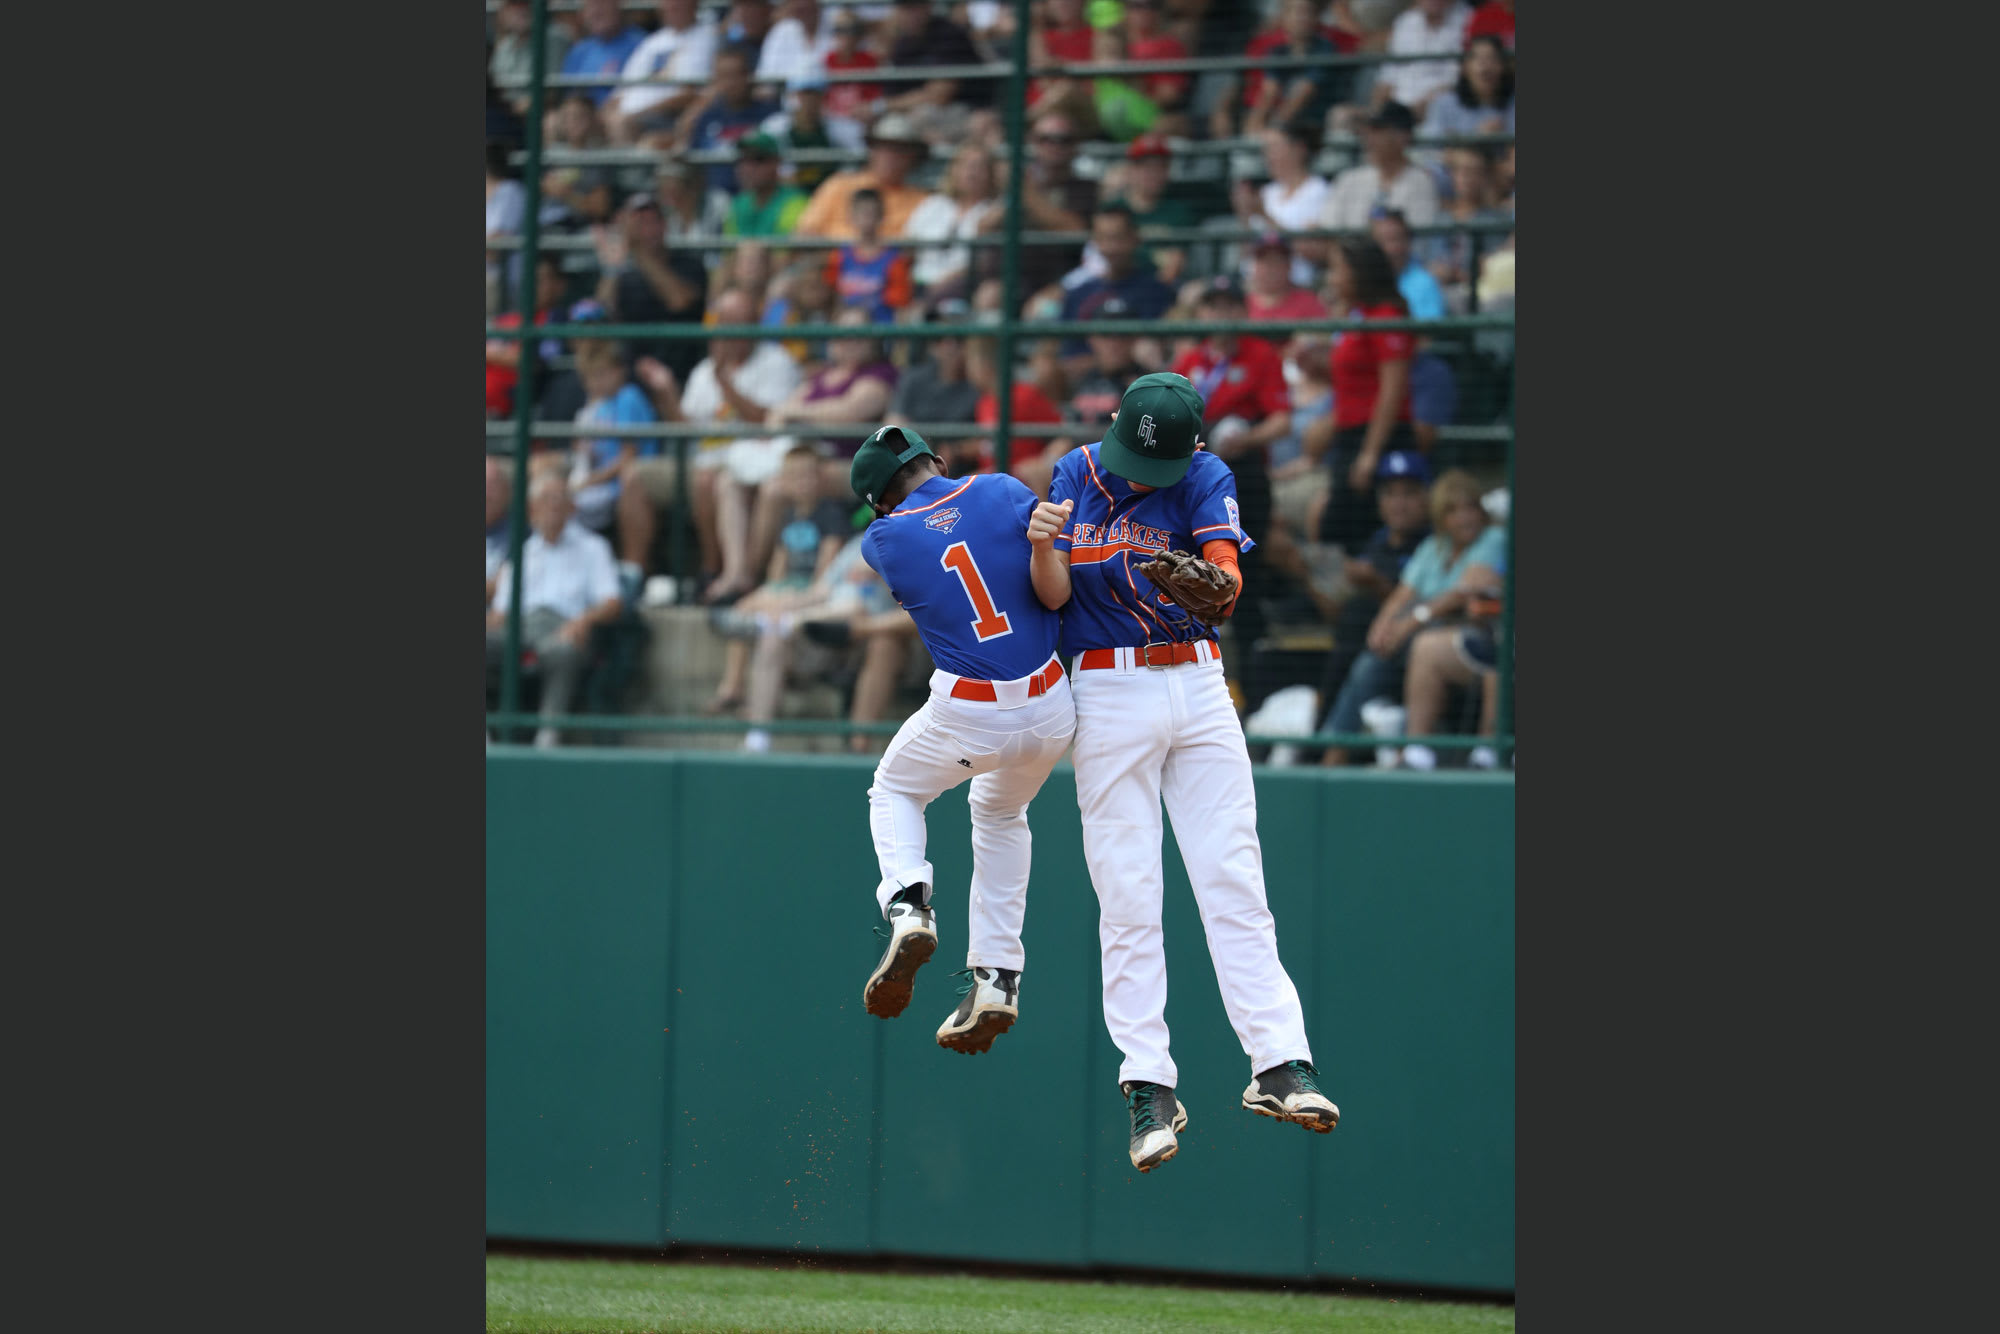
pixel 546 738
pixel 757 739
pixel 1419 757
pixel 1484 757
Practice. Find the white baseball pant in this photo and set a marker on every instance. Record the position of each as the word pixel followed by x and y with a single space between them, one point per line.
pixel 1143 734
pixel 1007 752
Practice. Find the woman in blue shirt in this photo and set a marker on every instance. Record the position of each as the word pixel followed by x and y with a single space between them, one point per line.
pixel 1461 557
pixel 1482 101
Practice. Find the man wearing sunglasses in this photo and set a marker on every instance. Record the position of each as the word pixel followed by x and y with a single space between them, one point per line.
pixel 1053 198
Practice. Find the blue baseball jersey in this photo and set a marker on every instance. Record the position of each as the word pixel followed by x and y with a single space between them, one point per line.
pixel 955 554
pixel 1114 529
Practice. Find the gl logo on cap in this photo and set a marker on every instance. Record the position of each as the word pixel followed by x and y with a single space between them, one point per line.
pixel 1146 430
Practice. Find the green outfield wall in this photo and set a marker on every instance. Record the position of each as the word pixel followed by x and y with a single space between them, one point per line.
pixel 676 1050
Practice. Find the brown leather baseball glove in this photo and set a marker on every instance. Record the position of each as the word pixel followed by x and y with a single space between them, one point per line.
pixel 1198 587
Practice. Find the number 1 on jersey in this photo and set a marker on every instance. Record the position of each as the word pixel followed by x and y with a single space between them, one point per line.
pixel 991 623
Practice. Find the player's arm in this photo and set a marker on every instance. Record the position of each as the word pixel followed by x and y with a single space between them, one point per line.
pixel 1223 552
pixel 1048 569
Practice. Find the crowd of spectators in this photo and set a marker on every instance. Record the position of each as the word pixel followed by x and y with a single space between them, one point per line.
pixel 749 164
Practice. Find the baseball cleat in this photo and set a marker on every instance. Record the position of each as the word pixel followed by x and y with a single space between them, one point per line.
pixel 991 1002
pixel 1157 1117
pixel 912 935
pixel 1290 1092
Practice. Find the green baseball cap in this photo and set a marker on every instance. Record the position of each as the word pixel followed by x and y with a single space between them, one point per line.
pixel 1153 440
pixel 880 455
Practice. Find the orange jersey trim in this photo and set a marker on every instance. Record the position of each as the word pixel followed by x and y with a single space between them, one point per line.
pixel 935 503
pixel 1088 463
pixel 1145 599
pixel 1092 555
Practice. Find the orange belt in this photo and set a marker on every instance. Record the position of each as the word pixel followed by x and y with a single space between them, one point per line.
pixel 1146 655
pixel 1039 684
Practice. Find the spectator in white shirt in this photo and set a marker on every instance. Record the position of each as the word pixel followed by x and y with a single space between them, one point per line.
pixel 739 381
pixel 569 587
pixel 1428 27
pixel 797 44
pixel 682 47
pixel 968 204
pixel 1388 178
pixel 1291 201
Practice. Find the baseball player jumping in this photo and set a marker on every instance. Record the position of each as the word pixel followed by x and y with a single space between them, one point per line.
pixel 956 555
pixel 1154 719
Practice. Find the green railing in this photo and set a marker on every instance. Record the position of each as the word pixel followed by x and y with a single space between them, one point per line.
pixel 1004 330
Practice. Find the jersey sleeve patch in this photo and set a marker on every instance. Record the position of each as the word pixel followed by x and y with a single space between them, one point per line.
pixel 1216 513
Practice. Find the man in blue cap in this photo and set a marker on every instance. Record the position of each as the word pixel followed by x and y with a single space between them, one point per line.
pixel 1155 721
pixel 955 554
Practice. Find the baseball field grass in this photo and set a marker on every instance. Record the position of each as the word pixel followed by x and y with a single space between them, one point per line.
pixel 533 1294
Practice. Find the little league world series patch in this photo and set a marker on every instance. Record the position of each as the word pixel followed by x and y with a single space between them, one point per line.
pixel 942 521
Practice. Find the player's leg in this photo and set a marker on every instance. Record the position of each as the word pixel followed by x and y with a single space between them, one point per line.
pixel 1120 743
pixel 1001 843
pixel 921 762
pixel 1001 855
pixel 1206 783
pixel 1121 740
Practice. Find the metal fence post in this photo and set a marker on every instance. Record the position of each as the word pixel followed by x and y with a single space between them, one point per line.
pixel 524 377
pixel 683 578
pixel 1010 282
pixel 1503 713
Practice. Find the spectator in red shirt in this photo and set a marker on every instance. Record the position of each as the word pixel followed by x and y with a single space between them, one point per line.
pixel 1059 34
pixel 1246 406
pixel 1030 405
pixel 856 101
pixel 503 355
pixel 1272 295
pixel 1495 18
pixel 1301 93
pixel 1146 38
pixel 1371 392
pixel 1238 376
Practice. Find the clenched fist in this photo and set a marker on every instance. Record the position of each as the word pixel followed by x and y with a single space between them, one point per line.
pixel 1047 521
